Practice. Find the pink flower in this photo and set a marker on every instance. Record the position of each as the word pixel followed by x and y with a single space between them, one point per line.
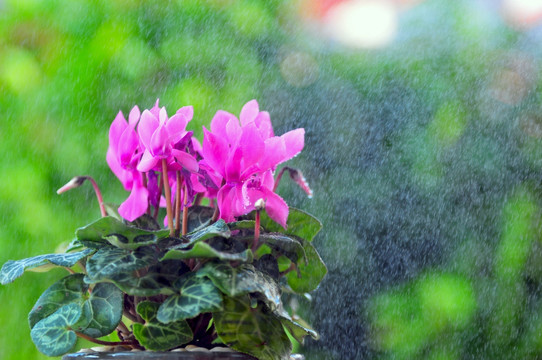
pixel 245 154
pixel 159 137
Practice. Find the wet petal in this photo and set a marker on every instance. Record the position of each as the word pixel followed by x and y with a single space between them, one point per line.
pixel 159 145
pixel 128 145
pixel 226 126
pixel 276 207
pixel 263 122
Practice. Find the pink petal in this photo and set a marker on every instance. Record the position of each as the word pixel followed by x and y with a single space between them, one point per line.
pixel 133 118
pixel 176 127
pixel 159 145
pixel 156 109
pixel 252 145
pixel 279 149
pixel 263 122
pixel 249 112
pixel 186 160
pixel 276 207
pixel 215 151
pixel 225 198
pixel 233 166
pixel 163 116
pixel 147 162
pixel 226 125
pixel 187 112
pixel 136 204
pixel 147 126
pixel 127 146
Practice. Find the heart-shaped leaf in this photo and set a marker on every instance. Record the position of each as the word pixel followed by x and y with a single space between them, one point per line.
pixel 158 279
pixel 106 306
pixel 219 228
pixel 242 280
pixel 204 250
pixel 199 217
pixel 110 261
pixel 112 231
pixel 289 246
pixel 68 290
pixel 157 336
pixel 101 310
pixel 14 269
pixel 197 295
pixel 53 335
pixel 309 274
pixel 250 330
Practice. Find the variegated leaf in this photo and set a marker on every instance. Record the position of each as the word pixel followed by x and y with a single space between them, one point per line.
pixel 14 269
pixel 53 335
pixel 250 330
pixel 197 295
pixel 219 228
pixel 204 250
pixel 118 234
pixel 297 328
pixel 157 336
pixel 109 261
pixel 289 246
pixel 244 279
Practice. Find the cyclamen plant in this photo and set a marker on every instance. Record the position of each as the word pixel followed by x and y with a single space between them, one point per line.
pixel 215 273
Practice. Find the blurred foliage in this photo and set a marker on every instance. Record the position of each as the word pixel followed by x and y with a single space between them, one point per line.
pixel 425 156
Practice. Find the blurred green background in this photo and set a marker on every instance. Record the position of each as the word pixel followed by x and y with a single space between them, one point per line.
pixel 423 148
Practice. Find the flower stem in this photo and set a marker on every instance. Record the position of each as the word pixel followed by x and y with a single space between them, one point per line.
pixel 256 232
pixel 98 195
pixel 69 270
pixel 101 342
pixel 167 191
pixel 178 203
pixel 185 210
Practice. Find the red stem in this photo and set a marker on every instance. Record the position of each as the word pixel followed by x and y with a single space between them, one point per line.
pixel 98 195
pixel 178 203
pixel 167 192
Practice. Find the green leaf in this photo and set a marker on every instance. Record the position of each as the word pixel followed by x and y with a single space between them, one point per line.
pixel 298 329
pixel 197 295
pixel 156 336
pixel 241 225
pixel 219 228
pixel 254 331
pixel 300 224
pixel 53 335
pixel 68 290
pixel 242 280
pixel 199 217
pixel 204 250
pixel 158 279
pixel 146 222
pixel 118 234
pixel 288 246
pixel 13 269
pixel 101 311
pixel 106 306
pixel 109 261
pixel 310 274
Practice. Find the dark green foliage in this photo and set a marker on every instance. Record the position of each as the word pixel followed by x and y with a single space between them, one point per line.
pixel 157 336
pixel 177 290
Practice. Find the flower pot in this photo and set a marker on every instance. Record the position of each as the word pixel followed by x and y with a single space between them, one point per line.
pixel 177 355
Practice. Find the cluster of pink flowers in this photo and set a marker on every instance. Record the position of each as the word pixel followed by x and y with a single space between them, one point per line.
pixel 234 167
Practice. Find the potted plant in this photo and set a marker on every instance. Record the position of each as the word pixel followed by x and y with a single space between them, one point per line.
pixel 212 276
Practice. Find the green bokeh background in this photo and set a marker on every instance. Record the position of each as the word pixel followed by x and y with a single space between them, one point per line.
pixel 425 156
